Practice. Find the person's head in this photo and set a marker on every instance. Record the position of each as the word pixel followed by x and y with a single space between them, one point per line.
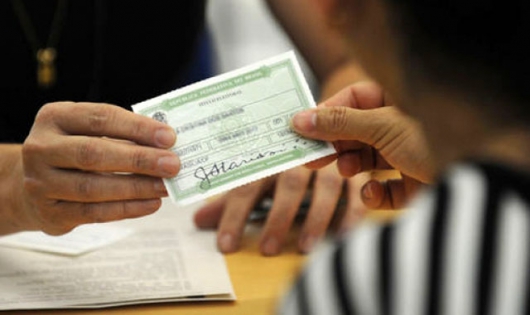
pixel 470 53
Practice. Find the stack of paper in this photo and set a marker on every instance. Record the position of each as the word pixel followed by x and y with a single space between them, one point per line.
pixel 163 258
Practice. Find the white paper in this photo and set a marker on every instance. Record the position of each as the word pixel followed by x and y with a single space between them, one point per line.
pixel 165 259
pixel 79 241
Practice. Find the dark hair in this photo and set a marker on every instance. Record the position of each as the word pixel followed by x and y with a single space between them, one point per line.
pixel 477 46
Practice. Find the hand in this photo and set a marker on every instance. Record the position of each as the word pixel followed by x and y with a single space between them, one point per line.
pixel 369 135
pixel 86 163
pixel 391 193
pixel 230 212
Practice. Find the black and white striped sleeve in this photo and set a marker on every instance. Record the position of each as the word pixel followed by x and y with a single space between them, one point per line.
pixel 453 252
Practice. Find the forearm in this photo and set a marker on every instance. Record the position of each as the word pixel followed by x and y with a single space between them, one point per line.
pixel 321 46
pixel 11 190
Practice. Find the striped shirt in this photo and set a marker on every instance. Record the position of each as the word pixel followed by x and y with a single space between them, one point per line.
pixel 463 247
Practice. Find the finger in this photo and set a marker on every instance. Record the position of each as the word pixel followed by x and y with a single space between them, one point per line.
pixel 379 163
pixel 329 120
pixel 102 155
pixel 327 189
pixel 290 189
pixel 209 216
pixel 374 195
pixel 239 204
pixel 349 152
pixel 355 208
pixel 366 158
pixel 349 163
pixel 389 194
pixel 75 186
pixel 104 120
pixel 320 163
pixel 343 123
pixel 361 95
pixel 64 216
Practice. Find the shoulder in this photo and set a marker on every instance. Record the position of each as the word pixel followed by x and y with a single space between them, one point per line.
pixel 458 238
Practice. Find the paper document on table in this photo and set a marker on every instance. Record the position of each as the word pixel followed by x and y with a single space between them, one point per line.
pixel 83 239
pixel 234 128
pixel 165 259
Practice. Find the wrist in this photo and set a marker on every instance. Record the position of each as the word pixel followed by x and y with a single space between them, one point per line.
pixel 13 212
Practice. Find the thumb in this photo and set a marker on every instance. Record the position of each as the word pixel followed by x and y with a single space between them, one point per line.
pixel 342 123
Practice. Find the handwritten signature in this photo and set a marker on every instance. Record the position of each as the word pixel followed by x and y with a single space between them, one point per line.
pixel 217 169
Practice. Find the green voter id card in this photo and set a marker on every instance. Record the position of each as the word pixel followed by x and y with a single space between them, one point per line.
pixel 234 128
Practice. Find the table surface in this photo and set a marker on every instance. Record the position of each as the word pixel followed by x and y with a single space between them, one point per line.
pixel 258 281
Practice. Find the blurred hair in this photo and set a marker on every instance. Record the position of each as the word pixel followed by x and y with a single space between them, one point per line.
pixel 477 47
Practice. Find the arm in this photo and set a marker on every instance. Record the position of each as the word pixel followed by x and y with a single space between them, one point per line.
pixel 334 69
pixel 321 46
pixel 84 163
pixel 10 188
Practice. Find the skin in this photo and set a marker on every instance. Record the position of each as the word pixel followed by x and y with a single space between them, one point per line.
pixel 448 119
pixel 325 52
pixel 71 169
pixel 34 176
pixel 356 120
pixel 65 173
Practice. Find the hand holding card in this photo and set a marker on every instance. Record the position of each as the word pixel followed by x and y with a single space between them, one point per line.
pixel 234 128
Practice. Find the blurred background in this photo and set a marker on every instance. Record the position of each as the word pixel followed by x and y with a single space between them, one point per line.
pixel 243 32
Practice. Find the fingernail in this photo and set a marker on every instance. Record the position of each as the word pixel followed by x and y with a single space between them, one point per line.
pixel 367 191
pixel 305 121
pixel 226 243
pixel 307 243
pixel 150 206
pixel 271 247
pixel 165 137
pixel 169 165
